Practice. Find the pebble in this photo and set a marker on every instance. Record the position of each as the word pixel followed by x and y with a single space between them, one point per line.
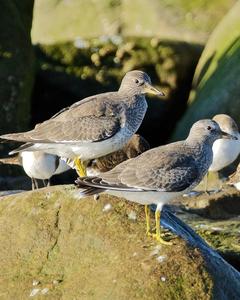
pixel 132 215
pixel 161 258
pixel 107 207
pixel 163 278
pixel 35 282
pixel 44 291
pixel 34 292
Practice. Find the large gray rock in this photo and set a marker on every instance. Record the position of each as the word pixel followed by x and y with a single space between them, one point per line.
pixel 216 85
pixel 57 21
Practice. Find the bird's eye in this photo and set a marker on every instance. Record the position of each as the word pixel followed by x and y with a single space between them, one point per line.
pixel 209 128
pixel 136 81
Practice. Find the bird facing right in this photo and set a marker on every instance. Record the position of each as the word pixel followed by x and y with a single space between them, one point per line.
pixel 93 127
pixel 225 151
pixel 160 174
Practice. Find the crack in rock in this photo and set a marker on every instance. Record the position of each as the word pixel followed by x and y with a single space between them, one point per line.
pixel 56 225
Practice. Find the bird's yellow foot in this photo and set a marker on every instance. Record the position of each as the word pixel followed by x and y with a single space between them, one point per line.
pixel 160 240
pixel 80 168
pixel 158 235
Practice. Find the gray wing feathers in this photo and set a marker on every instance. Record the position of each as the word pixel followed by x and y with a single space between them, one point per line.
pixel 154 170
pixel 85 129
pixel 93 120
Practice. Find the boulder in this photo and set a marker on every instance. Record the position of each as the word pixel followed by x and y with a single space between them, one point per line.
pixel 216 87
pixel 56 245
pixel 58 21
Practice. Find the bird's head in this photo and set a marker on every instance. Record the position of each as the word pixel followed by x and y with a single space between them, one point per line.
pixel 208 130
pixel 138 82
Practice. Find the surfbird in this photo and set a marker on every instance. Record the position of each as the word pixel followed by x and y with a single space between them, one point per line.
pixel 135 146
pixel 38 165
pixel 94 126
pixel 160 174
pixel 225 151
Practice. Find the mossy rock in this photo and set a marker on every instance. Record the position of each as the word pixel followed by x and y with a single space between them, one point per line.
pixel 216 88
pixel 79 249
pixel 69 72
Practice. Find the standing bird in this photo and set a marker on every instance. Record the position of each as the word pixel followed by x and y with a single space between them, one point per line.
pixel 225 151
pixel 38 165
pixel 160 174
pixel 92 127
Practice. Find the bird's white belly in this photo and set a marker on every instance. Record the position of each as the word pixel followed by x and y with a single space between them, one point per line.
pixel 93 150
pixel 41 167
pixel 147 198
pixel 224 153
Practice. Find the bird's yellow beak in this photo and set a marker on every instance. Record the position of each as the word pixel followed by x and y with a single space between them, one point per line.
pixel 148 88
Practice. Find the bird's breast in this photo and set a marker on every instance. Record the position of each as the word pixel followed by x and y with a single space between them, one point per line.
pixel 135 114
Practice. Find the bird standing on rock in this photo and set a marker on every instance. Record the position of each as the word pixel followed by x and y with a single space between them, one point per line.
pixel 38 165
pixel 92 127
pixel 225 151
pixel 160 174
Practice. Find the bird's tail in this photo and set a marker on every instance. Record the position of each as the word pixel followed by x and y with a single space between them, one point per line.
pixel 18 137
pixel 14 160
pixel 87 187
pixel 24 147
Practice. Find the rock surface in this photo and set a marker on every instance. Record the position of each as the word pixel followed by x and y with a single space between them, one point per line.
pixel 216 89
pixel 88 250
pixel 57 21
pixel 55 245
pixel 215 217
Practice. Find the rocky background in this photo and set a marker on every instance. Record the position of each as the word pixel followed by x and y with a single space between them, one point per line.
pixel 53 53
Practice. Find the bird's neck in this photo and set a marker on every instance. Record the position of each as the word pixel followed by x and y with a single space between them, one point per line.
pixel 202 148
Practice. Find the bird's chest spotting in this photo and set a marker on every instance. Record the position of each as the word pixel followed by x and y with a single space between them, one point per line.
pixel 135 113
pixel 204 160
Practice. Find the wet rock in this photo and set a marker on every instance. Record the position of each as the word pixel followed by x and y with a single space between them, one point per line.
pixel 72 249
pixel 221 234
pixel 216 89
pixel 226 278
